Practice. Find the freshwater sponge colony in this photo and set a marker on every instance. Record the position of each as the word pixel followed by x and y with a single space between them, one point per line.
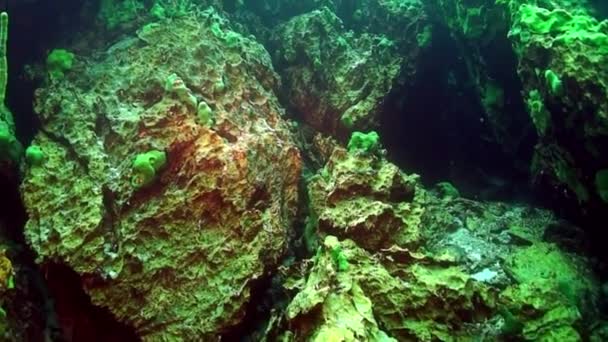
pixel 220 172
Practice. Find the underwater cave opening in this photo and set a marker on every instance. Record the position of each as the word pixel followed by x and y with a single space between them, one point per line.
pixel 435 126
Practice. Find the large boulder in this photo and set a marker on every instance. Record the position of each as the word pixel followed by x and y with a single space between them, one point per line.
pixel 166 178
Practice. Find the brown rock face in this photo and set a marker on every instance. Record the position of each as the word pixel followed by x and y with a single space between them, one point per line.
pixel 175 258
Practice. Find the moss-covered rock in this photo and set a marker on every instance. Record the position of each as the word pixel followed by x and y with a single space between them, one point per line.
pixel 367 199
pixel 336 80
pixel 176 258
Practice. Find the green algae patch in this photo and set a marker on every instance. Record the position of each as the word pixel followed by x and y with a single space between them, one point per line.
pixel 58 62
pixel 544 264
pixel 146 167
pixel 34 155
pixel 550 292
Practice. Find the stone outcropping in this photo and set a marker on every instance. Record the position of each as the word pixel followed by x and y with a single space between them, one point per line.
pixel 178 255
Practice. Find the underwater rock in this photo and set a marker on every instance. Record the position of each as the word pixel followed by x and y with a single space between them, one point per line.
pixel 448 267
pixel 562 57
pixel 334 79
pixel 367 199
pixel 177 257
pixel 422 301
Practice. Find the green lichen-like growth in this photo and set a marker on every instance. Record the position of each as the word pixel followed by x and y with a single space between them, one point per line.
pixel 146 167
pixel 339 259
pixel 58 62
pixel 541 118
pixel 364 142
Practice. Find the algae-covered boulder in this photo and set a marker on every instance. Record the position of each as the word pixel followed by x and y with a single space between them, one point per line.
pixel 174 255
pixel 563 52
pixel 431 268
pixel 367 199
pixel 336 80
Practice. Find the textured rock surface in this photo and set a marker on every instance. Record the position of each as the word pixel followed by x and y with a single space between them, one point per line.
pixel 177 257
pixel 367 199
pixel 562 53
pixel 334 79
pixel 464 270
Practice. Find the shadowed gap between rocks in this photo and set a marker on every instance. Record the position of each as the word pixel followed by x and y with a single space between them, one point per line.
pixel 435 126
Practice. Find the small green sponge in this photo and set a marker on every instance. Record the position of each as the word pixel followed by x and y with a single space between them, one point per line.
pixel 58 62
pixel 146 167
pixel 364 142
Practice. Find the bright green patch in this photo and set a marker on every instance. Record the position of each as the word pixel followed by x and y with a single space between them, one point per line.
pixel 34 155
pixel 554 83
pixel 364 142
pixel 146 167
pixel 58 62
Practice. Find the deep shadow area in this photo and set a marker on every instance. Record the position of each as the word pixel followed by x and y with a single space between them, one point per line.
pixel 25 303
pixel 34 28
pixel 436 127
pixel 78 319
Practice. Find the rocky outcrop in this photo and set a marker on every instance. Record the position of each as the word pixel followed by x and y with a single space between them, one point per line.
pixel 189 106
pixel 562 53
pixel 466 270
pixel 334 79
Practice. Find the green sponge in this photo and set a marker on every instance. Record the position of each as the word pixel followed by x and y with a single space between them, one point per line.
pixel 58 62
pixel 364 142
pixel 146 167
pixel 34 155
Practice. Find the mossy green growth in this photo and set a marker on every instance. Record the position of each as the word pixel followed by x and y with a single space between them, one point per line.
pixel 339 258
pixel 565 27
pixel 146 167
pixel 554 83
pixel 204 114
pixel 545 265
pixel 538 113
pixel 337 255
pixel 347 120
pixel 58 62
pixel 511 325
pixel 364 142
pixel 425 37
pixel 34 155
pixel 163 9
pixel 601 184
